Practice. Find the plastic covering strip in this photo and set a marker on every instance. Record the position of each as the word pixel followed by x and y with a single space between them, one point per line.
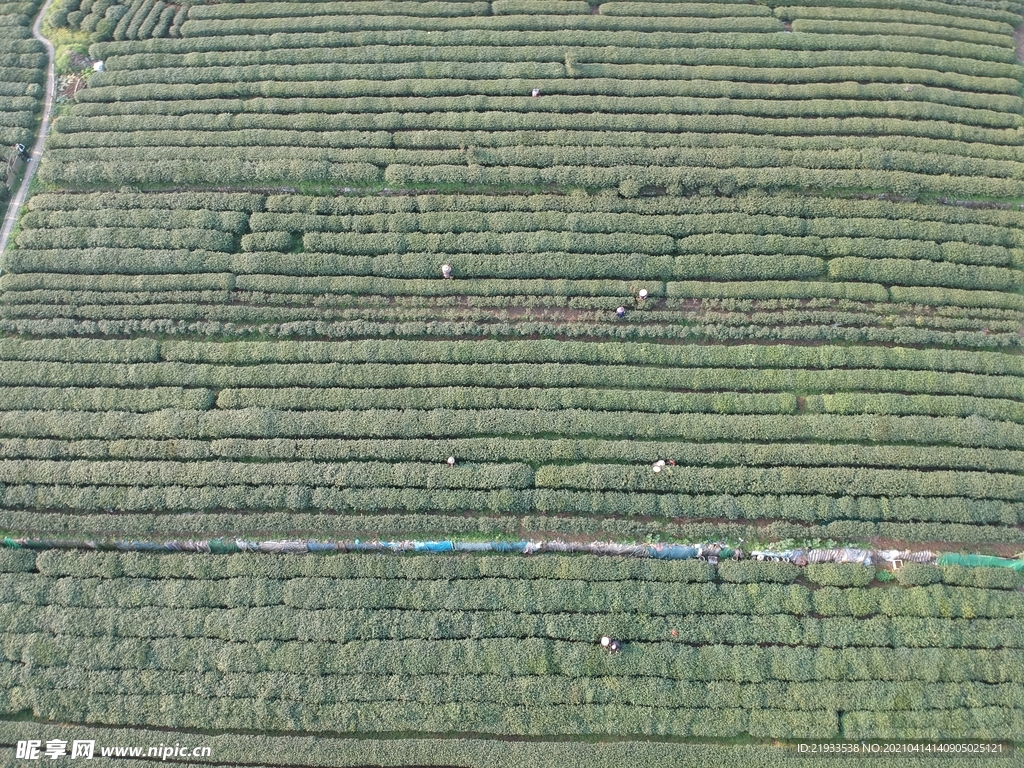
pixel 658 551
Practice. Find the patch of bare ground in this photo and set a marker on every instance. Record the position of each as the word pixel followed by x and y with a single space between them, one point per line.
pixel 68 87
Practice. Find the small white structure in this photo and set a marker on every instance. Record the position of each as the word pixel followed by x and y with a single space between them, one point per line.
pixel 97 66
pixel 643 294
pixel 451 461
pixel 446 271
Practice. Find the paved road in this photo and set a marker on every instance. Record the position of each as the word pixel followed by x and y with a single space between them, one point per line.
pixel 18 200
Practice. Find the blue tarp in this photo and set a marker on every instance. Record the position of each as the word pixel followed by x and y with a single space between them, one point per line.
pixel 363 546
pixel 508 546
pixel 434 546
pixel 322 546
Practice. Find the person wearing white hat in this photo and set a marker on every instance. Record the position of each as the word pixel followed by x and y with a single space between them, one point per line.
pixel 451 461
pixel 610 645
pixel 643 294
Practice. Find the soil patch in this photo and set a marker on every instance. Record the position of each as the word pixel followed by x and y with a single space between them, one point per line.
pixel 67 87
pixel 79 60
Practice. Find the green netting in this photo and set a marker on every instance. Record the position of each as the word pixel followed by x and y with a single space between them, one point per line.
pixel 981 561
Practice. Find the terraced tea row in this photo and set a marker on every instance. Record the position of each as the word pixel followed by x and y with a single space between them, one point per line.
pixel 554 427
pixel 112 20
pixel 22 81
pixel 251 634
pixel 478 752
pixel 537 265
pixel 631 95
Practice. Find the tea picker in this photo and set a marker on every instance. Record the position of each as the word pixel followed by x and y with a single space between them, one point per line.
pixel 446 271
pixel 451 461
pixel 610 645
pixel 620 312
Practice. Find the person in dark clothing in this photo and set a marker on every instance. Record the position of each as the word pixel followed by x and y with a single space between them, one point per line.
pixel 611 645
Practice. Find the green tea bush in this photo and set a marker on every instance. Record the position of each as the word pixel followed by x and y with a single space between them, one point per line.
pixel 839 574
pixel 915 574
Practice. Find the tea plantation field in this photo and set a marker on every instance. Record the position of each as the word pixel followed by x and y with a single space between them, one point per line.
pixel 281 260
pixel 495 646
pixel 22 76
